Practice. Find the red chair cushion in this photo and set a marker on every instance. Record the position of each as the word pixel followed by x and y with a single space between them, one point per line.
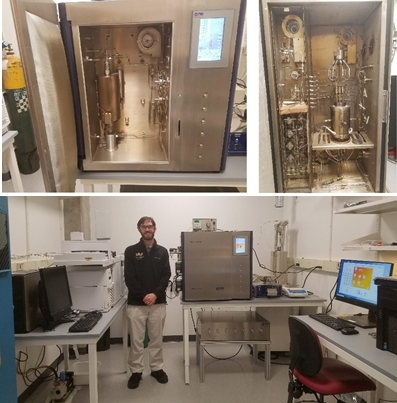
pixel 336 377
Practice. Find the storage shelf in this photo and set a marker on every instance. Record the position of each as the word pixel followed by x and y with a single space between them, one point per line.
pixel 364 244
pixel 371 248
pixel 375 207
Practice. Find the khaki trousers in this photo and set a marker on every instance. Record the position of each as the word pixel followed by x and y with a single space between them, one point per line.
pixel 138 317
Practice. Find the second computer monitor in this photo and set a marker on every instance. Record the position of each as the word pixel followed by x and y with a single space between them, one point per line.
pixel 356 286
pixel 55 298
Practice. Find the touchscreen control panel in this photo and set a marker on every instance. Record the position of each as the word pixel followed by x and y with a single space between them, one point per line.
pixel 211 38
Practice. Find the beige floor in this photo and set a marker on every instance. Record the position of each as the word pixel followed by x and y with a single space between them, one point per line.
pixel 236 380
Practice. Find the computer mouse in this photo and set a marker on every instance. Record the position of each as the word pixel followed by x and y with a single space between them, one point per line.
pixel 349 330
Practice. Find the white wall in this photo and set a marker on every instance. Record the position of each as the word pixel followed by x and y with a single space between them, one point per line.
pixel 35 225
pixel 316 233
pixel 8 28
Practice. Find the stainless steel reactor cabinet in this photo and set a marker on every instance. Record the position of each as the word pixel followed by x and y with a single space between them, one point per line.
pixel 152 82
pixel 216 265
pixel 328 70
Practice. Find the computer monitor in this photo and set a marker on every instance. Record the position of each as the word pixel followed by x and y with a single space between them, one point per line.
pixel 356 286
pixel 54 295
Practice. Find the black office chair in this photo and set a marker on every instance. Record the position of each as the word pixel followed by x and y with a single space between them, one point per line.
pixel 310 372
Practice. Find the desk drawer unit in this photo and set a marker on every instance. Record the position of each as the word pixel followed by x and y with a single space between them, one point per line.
pixel 233 326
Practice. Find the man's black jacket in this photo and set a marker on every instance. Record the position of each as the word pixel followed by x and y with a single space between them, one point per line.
pixel 146 273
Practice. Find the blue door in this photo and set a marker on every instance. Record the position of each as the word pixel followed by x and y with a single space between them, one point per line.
pixel 8 381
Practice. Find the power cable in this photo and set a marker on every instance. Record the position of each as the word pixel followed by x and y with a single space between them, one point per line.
pixel 331 298
pixel 308 274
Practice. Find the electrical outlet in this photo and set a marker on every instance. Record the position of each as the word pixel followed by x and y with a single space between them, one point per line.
pixel 326 265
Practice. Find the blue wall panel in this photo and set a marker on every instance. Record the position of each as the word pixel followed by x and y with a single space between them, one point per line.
pixel 8 382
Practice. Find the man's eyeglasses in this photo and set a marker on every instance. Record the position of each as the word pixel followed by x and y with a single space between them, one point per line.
pixel 146 226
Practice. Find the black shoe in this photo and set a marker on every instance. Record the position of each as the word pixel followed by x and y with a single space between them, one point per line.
pixel 134 380
pixel 160 375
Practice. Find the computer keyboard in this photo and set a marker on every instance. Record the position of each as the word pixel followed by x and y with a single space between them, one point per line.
pixel 330 321
pixel 86 323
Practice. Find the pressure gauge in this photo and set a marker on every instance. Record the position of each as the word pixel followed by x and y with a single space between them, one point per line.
pixel 292 26
pixel 149 41
pixel 347 35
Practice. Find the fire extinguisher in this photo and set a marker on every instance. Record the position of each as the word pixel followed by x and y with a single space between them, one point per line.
pixel 19 111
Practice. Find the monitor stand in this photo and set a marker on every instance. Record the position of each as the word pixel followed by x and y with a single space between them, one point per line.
pixel 361 320
pixel 49 325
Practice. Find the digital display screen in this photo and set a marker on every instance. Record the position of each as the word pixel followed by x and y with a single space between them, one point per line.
pixel 356 280
pixel 240 245
pixel 210 39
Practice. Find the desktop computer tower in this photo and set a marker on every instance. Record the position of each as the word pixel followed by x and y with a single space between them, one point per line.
pixel 25 290
pixel 386 331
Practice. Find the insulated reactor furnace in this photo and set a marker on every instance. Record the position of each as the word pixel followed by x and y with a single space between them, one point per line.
pixel 327 66
pixel 216 265
pixel 145 86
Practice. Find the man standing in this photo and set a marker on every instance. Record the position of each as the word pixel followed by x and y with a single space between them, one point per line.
pixel 147 271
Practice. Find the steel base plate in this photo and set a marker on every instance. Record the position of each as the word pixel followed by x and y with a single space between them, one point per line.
pixel 323 141
pixel 350 181
pixel 133 150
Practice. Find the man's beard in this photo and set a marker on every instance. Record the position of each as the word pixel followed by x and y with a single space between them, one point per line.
pixel 148 237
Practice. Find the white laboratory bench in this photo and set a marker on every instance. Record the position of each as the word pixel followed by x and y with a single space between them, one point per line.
pixel 235 175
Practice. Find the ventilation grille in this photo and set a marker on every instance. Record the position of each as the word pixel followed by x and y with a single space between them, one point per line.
pixel 4 251
pixel 391 327
pixel 111 291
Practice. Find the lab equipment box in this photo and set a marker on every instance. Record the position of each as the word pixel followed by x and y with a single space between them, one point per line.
pixel 216 265
pixel 96 286
pixel 233 326
pixel 328 81
pixel 151 83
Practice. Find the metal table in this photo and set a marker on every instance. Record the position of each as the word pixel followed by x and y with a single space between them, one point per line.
pixel 62 337
pixel 281 302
